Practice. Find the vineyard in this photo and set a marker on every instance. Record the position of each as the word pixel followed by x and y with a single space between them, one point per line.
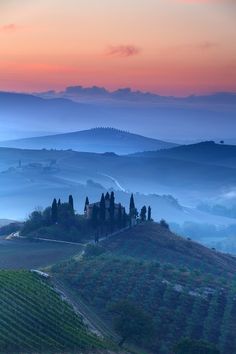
pixel 34 319
pixel 181 303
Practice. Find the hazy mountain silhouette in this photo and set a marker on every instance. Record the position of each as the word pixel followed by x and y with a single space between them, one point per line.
pixel 93 140
pixel 171 119
pixel 205 152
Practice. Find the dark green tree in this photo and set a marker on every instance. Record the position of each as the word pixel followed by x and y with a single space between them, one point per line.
pixel 59 203
pixel 107 196
pixel 119 217
pixel 143 213
pixel 112 210
pixel 131 322
pixel 102 210
pixel 149 213
pixel 47 217
pixel 189 346
pixel 95 216
pixel 66 216
pixel 54 211
pixel 132 209
pixel 71 203
pixel 164 224
pixel 86 204
pixel 34 222
pixel 124 219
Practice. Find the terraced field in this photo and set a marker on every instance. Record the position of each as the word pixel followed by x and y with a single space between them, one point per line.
pixel 34 319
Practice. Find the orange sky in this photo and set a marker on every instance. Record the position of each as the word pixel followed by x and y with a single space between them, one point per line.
pixel 167 46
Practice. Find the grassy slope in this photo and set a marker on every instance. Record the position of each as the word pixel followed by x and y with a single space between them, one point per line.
pixel 34 319
pixel 153 242
pixel 196 300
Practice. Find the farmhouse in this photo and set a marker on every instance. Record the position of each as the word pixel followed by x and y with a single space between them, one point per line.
pixel 119 210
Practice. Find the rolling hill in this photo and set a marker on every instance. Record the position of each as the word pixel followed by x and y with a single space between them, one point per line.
pixel 34 319
pixel 32 178
pixel 94 140
pixel 186 288
pixel 207 152
pixel 151 242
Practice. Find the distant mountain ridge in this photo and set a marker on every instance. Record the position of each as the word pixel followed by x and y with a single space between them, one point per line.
pixel 95 92
pixel 171 118
pixel 93 140
pixel 204 152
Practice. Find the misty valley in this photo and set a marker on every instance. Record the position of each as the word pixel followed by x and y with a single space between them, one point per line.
pixel 191 186
pixel 146 236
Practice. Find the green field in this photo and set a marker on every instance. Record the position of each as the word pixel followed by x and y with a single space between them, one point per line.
pixel 34 319
pixel 21 254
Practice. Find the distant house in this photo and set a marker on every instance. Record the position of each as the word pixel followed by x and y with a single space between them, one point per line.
pixel 89 208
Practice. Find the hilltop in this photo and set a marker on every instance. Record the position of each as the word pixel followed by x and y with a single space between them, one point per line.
pixel 153 242
pixel 93 140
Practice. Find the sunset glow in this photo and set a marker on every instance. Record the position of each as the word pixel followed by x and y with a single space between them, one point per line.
pixel 166 46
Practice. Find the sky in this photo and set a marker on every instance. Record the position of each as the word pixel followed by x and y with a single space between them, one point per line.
pixel 171 47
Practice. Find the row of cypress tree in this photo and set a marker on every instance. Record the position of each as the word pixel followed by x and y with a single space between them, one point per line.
pixel 100 210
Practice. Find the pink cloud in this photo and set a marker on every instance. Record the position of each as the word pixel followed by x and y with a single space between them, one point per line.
pixel 200 46
pixel 206 45
pixel 9 28
pixel 123 51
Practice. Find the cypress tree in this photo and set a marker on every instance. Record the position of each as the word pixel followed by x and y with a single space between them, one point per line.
pixel 112 210
pixel 132 206
pixel 102 209
pixel 59 203
pixel 149 213
pixel 86 204
pixel 124 219
pixel 143 213
pixel 94 218
pixel 107 196
pixel 71 203
pixel 54 211
pixel 119 217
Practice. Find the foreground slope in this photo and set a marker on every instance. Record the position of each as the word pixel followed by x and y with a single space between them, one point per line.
pixel 187 289
pixel 34 319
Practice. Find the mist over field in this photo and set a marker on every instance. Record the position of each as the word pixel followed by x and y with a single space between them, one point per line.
pixel 192 186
